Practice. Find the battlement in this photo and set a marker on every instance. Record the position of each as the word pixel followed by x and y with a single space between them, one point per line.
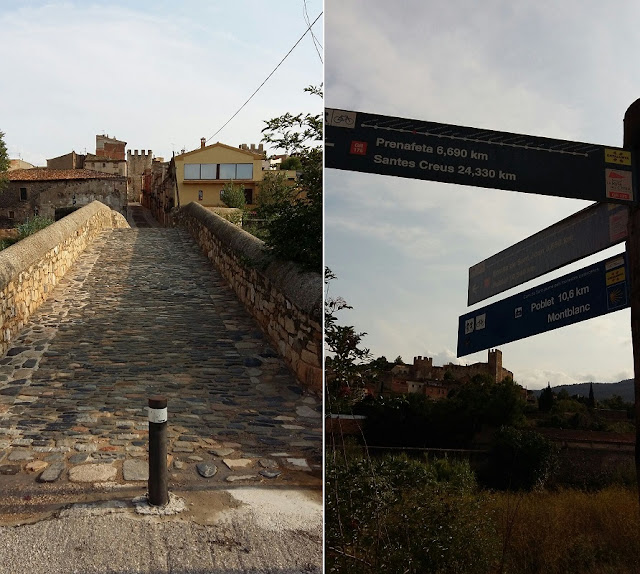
pixel 422 362
pixel 142 154
pixel 253 149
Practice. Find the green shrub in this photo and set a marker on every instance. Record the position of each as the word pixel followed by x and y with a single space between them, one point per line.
pixel 520 460
pixel 394 514
pixel 233 195
pixel 232 215
pixel 31 226
pixel 4 243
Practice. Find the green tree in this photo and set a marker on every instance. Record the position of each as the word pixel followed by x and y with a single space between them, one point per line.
pixel 591 403
pixel 292 162
pixel 233 195
pixel 382 364
pixel 398 361
pixel 4 162
pixel 545 401
pixel 521 459
pixel 345 376
pixel 506 404
pixel 615 402
pixel 274 192
pixel 295 229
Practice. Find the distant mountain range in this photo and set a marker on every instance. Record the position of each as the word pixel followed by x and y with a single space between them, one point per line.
pixel 600 390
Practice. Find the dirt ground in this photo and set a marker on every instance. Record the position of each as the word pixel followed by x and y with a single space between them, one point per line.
pixel 24 501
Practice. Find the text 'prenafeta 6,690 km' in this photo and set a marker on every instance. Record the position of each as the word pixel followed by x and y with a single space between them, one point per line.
pixel 418 149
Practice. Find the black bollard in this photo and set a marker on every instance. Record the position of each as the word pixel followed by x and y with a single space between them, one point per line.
pixel 158 487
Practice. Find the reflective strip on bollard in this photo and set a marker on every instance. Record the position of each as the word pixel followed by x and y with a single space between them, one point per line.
pixel 157 415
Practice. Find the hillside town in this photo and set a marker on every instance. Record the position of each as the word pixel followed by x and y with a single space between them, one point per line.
pixel 423 377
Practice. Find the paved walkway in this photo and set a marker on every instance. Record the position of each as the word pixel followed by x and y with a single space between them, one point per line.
pixel 142 313
pixel 140 216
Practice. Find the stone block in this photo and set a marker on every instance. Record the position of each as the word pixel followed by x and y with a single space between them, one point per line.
pixel 135 470
pixel 92 473
pixel 52 473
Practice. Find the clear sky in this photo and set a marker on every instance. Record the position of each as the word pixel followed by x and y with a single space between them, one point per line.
pixel 402 248
pixel 159 75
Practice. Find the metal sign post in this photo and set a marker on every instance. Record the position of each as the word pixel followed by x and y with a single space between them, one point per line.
pixel 632 141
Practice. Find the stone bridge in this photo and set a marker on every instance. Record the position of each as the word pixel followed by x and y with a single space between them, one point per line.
pixel 98 315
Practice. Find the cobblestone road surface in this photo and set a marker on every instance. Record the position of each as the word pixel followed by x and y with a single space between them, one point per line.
pixel 142 313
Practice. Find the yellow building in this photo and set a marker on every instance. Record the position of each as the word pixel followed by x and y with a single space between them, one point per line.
pixel 202 173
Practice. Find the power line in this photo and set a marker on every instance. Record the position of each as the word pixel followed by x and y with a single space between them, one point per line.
pixel 266 79
pixel 316 43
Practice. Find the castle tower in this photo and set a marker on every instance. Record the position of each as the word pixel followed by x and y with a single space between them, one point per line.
pixel 139 166
pixel 494 362
pixel 422 367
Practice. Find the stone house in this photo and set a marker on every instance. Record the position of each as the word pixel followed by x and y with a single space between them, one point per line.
pixel 109 147
pixel 109 158
pixel 54 193
pixel 105 164
pixel 70 160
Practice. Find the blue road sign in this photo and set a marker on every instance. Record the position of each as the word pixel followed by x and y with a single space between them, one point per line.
pixel 416 149
pixel 590 292
pixel 582 234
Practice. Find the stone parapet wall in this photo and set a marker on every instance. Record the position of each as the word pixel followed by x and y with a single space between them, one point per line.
pixel 31 268
pixel 286 302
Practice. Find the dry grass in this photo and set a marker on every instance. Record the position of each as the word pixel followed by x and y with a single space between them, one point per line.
pixel 570 531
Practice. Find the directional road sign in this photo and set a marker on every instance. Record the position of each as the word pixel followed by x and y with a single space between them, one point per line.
pixel 589 292
pixel 417 149
pixel 591 230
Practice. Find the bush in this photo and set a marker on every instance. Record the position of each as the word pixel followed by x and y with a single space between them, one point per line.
pixel 520 460
pixel 232 215
pixel 233 195
pixel 393 514
pixel 31 226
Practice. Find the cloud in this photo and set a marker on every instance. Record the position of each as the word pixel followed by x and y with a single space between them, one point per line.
pixel 413 241
pixel 157 77
pixel 539 378
pixel 531 68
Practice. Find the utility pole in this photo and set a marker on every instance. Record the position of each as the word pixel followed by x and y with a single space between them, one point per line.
pixel 632 141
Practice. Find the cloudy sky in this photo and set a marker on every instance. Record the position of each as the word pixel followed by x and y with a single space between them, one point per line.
pixel 402 248
pixel 159 75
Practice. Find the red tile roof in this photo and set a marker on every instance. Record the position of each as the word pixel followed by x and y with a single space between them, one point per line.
pixel 46 174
